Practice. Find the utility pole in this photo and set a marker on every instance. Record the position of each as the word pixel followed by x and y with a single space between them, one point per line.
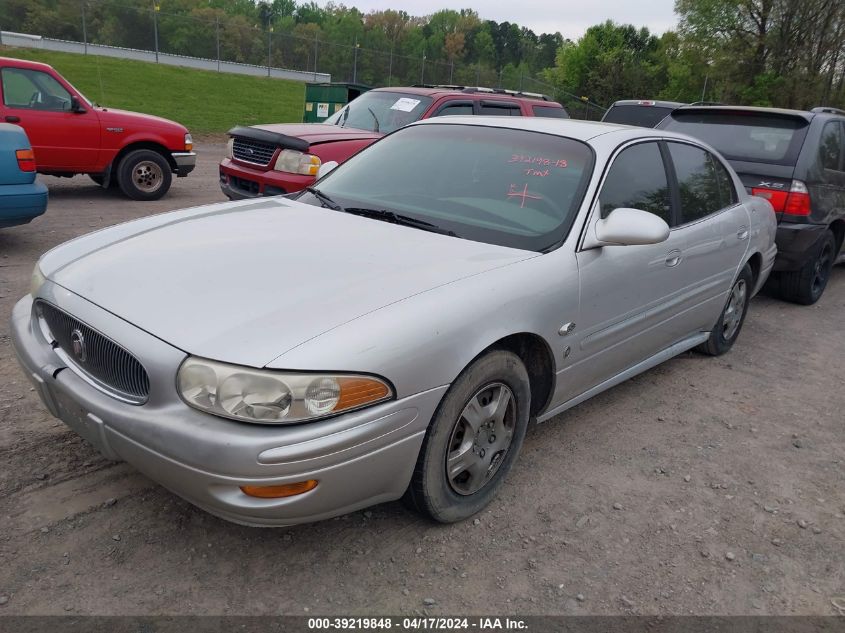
pixel 269 47
pixel 84 29
pixel 422 71
pixel 155 26
pixel 704 89
pixel 316 43
pixel 451 70
pixel 217 32
pixel 355 63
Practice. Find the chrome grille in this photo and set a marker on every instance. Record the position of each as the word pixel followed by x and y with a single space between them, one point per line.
pixel 97 357
pixel 251 151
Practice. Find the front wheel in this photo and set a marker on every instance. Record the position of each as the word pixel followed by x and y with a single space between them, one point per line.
pixel 726 330
pixel 473 439
pixel 144 175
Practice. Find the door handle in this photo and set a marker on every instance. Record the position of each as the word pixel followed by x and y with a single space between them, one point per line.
pixel 12 119
pixel 673 258
pixel 742 234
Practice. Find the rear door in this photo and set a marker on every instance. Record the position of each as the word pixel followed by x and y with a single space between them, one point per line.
pixel 827 185
pixel 63 140
pixel 715 229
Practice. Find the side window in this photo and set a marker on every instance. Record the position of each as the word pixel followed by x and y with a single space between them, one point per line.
pixel 830 149
pixel 637 180
pixel 727 191
pixel 453 109
pixel 23 88
pixel 500 109
pixel 697 181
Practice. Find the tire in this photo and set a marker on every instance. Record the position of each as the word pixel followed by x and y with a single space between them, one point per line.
pixel 496 377
pixel 144 175
pixel 806 285
pixel 729 325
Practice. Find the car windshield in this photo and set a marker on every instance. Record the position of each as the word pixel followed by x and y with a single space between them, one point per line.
pixel 642 115
pixel 381 111
pixel 502 186
pixel 745 136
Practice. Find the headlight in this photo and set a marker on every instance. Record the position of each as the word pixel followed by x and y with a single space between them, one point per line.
pixel 295 162
pixel 274 397
pixel 230 148
pixel 37 280
pixel 189 142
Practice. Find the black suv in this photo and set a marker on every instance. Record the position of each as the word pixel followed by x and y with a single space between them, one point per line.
pixel 796 160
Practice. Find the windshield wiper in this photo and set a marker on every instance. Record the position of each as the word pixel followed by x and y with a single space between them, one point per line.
pixel 325 200
pixel 397 218
pixel 345 116
pixel 375 118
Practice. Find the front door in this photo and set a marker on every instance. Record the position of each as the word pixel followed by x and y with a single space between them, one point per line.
pixel 63 140
pixel 626 292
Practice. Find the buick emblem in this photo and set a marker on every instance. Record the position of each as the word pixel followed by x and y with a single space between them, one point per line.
pixel 77 342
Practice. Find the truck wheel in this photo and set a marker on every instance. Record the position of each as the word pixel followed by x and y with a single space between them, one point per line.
pixel 473 439
pixel 807 284
pixel 144 175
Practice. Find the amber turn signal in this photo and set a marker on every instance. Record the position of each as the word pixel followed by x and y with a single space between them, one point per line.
pixel 26 159
pixel 278 492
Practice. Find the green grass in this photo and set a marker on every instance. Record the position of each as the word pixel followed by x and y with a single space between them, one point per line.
pixel 205 102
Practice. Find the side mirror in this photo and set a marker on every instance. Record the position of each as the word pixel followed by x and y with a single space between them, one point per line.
pixel 630 227
pixel 75 106
pixel 325 168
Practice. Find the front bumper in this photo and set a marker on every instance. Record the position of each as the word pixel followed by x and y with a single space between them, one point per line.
pixel 19 204
pixel 185 163
pixel 797 244
pixel 360 459
pixel 239 181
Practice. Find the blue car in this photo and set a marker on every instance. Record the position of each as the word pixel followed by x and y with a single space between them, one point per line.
pixel 21 198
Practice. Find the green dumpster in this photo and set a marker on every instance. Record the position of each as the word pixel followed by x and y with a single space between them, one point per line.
pixel 324 99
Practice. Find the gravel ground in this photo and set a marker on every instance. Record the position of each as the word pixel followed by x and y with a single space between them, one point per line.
pixel 705 486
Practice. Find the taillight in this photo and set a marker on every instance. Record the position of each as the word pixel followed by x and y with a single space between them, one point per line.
pixel 796 201
pixel 26 159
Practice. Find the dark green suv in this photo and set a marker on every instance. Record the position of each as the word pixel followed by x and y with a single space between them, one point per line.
pixel 796 160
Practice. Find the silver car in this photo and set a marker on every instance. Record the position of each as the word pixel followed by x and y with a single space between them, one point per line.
pixel 393 331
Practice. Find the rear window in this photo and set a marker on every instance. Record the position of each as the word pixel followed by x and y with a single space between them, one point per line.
pixel 746 136
pixel 642 115
pixel 550 112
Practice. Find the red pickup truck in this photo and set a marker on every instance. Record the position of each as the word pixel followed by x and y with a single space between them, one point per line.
pixel 71 135
pixel 270 160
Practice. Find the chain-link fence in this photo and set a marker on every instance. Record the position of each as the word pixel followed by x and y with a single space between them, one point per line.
pixel 209 35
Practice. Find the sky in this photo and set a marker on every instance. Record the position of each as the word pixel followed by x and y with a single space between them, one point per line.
pixel 570 17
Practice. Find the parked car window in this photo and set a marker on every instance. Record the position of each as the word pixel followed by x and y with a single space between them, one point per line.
pixel 496 185
pixel 383 110
pixel 500 109
pixel 830 148
pixel 24 88
pixel 550 112
pixel 698 182
pixel 635 114
pixel 637 180
pixel 750 136
pixel 727 191
pixel 455 109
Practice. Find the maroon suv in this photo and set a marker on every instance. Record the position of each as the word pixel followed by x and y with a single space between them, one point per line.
pixel 269 160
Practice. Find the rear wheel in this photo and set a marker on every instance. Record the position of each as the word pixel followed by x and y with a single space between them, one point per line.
pixel 473 440
pixel 726 330
pixel 144 175
pixel 807 284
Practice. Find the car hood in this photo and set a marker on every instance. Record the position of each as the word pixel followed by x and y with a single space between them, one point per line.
pixel 246 282
pixel 316 133
pixel 137 120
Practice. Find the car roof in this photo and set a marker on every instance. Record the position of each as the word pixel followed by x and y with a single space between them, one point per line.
pixel 647 102
pixel 24 63
pixel 469 92
pixel 755 109
pixel 579 130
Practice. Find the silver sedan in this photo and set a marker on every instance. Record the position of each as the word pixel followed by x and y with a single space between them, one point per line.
pixel 393 331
